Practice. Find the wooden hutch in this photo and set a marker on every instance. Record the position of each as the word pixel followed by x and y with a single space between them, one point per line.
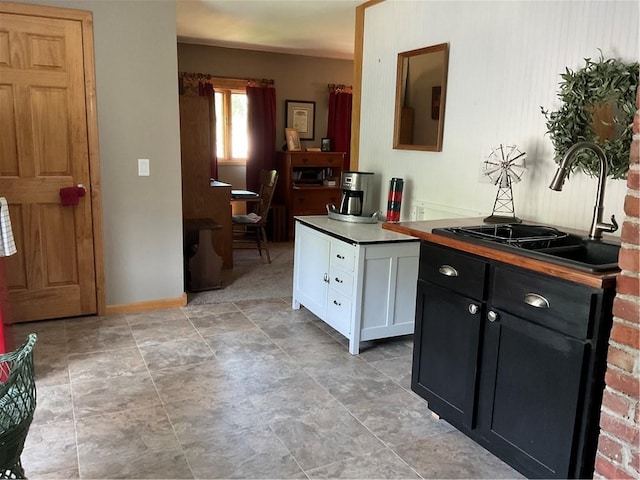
pixel 308 182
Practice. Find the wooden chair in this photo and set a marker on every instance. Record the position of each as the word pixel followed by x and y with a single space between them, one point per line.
pixel 245 226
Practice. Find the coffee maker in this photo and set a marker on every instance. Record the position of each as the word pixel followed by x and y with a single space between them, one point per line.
pixel 356 203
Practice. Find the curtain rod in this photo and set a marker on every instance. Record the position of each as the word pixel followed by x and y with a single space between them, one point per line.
pixel 333 87
pixel 206 76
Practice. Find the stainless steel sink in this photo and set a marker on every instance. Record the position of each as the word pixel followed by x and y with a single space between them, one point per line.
pixel 543 243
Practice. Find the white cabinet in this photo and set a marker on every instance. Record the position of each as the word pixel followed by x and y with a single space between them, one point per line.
pixel 357 278
pixel 310 282
pixel 341 261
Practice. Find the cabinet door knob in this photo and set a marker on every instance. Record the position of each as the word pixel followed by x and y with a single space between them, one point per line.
pixel 340 257
pixel 473 308
pixel 535 300
pixel 492 316
pixel 448 270
pixel 335 302
pixel 338 280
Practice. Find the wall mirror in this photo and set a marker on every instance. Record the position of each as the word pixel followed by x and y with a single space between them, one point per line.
pixel 421 87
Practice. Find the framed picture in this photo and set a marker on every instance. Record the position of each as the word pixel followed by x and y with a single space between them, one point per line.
pixel 325 145
pixel 301 115
pixel 293 139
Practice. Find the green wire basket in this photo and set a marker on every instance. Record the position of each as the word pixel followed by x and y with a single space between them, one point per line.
pixel 17 404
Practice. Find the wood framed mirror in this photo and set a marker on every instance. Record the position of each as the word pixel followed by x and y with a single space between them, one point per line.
pixel 421 87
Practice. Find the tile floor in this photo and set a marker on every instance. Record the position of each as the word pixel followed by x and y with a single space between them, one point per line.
pixel 249 389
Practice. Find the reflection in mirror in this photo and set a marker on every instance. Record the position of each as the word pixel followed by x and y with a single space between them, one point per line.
pixel 420 98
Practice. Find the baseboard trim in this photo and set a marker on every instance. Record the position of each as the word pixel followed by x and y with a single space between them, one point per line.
pixel 138 307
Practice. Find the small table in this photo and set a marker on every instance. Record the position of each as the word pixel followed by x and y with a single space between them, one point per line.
pixel 244 195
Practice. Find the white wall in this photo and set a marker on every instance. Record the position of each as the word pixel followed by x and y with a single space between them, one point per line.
pixel 504 63
pixel 137 97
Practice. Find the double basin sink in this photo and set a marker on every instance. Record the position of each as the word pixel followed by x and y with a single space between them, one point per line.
pixel 542 243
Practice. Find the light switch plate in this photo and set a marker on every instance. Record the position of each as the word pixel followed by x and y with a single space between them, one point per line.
pixel 143 167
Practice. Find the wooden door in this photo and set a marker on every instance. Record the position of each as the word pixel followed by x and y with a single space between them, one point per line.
pixel 48 134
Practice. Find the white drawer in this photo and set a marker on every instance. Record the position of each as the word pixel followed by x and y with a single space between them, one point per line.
pixel 339 313
pixel 342 255
pixel 341 281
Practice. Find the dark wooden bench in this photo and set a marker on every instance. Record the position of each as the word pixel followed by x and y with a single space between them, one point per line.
pixel 203 266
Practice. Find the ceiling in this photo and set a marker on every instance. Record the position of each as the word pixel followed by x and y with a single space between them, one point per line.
pixel 319 28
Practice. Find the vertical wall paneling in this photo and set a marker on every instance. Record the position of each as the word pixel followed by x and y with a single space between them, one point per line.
pixel 505 62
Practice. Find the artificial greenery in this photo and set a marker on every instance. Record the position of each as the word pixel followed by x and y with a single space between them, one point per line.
pixel 595 84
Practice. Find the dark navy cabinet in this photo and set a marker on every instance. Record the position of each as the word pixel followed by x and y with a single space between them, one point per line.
pixel 450 341
pixel 514 359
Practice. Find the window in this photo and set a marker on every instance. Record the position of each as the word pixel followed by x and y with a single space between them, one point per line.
pixel 232 140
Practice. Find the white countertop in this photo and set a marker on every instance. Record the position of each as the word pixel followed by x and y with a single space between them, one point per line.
pixel 354 232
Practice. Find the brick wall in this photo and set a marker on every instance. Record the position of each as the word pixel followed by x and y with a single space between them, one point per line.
pixel 618 447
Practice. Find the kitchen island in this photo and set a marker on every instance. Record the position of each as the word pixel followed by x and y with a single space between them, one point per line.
pixel 511 350
pixel 358 278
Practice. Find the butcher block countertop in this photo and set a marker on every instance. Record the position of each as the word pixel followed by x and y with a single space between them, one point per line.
pixel 422 230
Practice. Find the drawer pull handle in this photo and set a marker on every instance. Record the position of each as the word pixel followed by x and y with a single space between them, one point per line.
pixel 492 316
pixel 448 270
pixel 340 257
pixel 535 300
pixel 338 280
pixel 335 302
pixel 473 308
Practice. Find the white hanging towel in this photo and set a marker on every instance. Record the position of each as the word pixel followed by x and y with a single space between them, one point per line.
pixel 7 245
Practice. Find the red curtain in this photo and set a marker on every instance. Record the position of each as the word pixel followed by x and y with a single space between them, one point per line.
pixel 205 89
pixel 261 113
pixel 339 124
